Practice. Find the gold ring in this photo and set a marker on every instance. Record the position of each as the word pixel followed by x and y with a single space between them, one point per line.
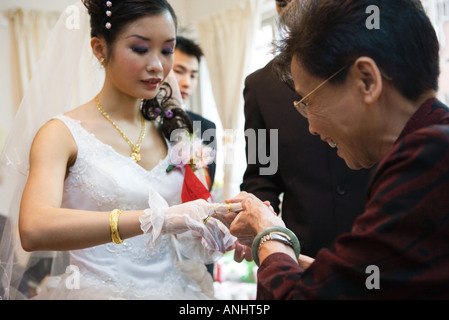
pixel 206 219
pixel 230 207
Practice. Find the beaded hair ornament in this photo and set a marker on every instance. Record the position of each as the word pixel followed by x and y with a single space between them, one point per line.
pixel 108 24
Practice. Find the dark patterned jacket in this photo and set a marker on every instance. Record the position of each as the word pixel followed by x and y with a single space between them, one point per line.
pixel 399 247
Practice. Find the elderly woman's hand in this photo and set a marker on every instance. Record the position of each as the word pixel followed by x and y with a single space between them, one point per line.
pixel 255 217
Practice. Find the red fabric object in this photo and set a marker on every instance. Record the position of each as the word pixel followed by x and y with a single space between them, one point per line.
pixel 193 188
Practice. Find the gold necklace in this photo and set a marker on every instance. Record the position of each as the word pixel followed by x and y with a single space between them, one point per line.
pixel 135 154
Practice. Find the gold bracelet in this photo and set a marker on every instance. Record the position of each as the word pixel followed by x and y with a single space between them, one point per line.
pixel 113 222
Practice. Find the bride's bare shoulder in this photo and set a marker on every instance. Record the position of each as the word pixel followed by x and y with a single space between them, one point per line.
pixel 56 133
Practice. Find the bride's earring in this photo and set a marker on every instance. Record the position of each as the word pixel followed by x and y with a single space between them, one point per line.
pixel 102 62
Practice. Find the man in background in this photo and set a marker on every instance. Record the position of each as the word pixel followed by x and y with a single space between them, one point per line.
pixel 186 67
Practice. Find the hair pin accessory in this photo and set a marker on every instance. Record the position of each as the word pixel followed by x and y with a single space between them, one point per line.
pixel 167 114
pixel 108 24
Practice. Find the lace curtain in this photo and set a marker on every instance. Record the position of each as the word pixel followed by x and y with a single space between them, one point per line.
pixel 29 30
pixel 228 42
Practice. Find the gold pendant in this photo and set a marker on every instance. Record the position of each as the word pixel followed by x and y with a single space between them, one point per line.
pixel 136 156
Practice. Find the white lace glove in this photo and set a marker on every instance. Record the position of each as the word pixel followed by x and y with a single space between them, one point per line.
pixel 187 222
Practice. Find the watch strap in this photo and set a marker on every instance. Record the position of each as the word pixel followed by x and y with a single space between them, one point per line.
pixel 275 233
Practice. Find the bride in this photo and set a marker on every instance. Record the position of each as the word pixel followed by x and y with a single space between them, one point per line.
pixel 98 187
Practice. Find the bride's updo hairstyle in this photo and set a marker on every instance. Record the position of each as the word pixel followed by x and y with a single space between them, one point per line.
pixel 107 20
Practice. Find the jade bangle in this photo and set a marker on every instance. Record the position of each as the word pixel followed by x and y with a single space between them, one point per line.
pixel 293 238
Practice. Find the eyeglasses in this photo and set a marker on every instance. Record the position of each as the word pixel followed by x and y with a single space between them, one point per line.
pixel 301 106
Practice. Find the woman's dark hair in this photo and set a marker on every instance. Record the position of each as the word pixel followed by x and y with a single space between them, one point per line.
pixel 327 35
pixel 165 108
pixel 109 26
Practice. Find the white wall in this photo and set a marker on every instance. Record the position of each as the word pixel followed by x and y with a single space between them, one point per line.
pixel 199 9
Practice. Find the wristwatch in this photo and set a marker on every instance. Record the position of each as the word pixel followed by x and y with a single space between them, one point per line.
pixel 280 234
pixel 277 236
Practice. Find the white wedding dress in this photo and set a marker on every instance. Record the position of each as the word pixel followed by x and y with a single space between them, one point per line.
pixel 103 180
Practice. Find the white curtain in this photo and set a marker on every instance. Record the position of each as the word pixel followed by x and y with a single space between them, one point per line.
pixel 444 76
pixel 438 12
pixel 29 30
pixel 228 42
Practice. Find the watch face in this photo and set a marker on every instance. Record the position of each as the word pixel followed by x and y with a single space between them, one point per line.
pixel 281 237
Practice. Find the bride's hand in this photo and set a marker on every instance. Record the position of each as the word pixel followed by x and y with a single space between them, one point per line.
pixel 186 216
pixel 226 212
pixel 195 216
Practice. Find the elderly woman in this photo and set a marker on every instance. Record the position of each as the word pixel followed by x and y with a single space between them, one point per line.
pixel 370 93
